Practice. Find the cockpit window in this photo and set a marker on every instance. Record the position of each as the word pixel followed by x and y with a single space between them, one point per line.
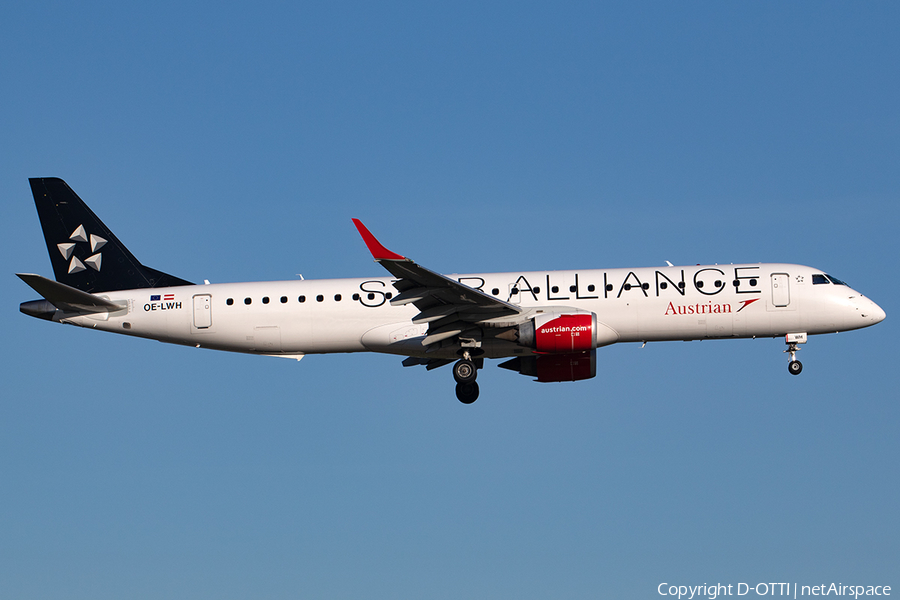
pixel 819 278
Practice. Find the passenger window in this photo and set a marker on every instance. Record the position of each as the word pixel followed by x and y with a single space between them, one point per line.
pixel 337 297
pixel 247 300
pixel 320 298
pixel 265 299
pixel 356 296
pixel 301 299
pixel 230 301
pixel 284 299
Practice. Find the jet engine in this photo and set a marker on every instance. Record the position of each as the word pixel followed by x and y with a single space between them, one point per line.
pixel 549 368
pixel 564 346
pixel 562 333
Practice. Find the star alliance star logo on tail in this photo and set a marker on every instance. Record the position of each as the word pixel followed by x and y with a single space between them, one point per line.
pixel 68 248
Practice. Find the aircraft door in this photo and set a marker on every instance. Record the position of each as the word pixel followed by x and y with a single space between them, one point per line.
pixel 202 311
pixel 781 293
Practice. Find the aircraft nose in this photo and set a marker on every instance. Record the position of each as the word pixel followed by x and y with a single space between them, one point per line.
pixel 876 313
pixel 863 312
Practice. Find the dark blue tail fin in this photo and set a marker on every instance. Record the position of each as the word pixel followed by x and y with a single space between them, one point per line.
pixel 85 254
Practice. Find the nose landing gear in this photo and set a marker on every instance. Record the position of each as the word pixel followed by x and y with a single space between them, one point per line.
pixel 464 372
pixel 792 339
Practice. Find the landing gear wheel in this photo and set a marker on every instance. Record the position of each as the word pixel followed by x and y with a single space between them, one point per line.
pixel 467 393
pixel 464 371
pixel 794 367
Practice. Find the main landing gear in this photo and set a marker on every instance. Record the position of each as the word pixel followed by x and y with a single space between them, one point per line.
pixel 464 372
pixel 792 339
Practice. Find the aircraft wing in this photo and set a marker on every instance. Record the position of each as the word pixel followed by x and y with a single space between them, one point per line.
pixel 449 307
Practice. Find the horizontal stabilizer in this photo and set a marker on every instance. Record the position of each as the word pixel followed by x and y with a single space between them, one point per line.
pixel 68 298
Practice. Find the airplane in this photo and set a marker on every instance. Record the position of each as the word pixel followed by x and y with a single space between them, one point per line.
pixel 546 324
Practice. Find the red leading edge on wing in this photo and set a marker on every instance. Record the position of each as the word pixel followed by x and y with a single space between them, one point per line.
pixel 378 251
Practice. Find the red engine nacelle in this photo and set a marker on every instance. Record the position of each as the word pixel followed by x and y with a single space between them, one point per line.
pixel 564 346
pixel 550 368
pixel 566 367
pixel 557 333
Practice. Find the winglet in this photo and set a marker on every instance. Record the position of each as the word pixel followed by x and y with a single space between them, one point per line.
pixel 378 251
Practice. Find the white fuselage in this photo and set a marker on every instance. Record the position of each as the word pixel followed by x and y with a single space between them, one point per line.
pixel 294 318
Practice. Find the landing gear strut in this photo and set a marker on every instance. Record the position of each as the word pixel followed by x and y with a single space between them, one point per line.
pixel 465 372
pixel 792 339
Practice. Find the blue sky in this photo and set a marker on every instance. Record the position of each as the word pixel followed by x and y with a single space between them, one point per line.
pixel 235 143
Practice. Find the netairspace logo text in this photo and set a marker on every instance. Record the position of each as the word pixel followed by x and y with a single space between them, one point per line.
pixel 794 590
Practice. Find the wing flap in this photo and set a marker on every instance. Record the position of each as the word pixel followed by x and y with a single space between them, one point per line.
pixel 441 335
pixel 429 363
pixel 433 314
pixel 413 295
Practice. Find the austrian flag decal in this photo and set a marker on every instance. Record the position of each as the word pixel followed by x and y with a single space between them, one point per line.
pixel 162 302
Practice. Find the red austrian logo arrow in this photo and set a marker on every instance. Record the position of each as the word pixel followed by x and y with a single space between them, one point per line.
pixel 746 303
